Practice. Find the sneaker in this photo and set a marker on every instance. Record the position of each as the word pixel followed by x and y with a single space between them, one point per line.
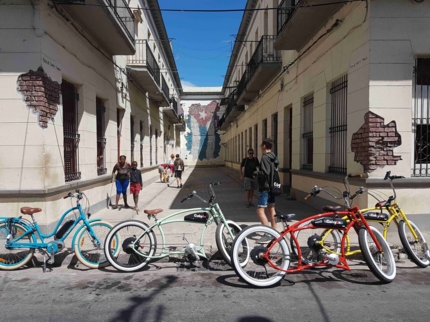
pixel 248 205
pixel 127 207
pixel 180 186
pixel 114 207
pixel 266 238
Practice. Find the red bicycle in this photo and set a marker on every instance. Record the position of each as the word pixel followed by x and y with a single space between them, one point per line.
pixel 271 258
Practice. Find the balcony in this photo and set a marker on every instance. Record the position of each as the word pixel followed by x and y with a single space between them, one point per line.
pixel 171 112
pixel 110 22
pixel 181 125
pixel 143 69
pixel 263 66
pixel 231 113
pixel 297 26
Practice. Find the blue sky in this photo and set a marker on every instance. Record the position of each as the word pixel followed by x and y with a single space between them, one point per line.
pixel 203 41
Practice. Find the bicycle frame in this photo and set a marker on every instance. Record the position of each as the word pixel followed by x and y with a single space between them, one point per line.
pixel 216 216
pixel 356 221
pixel 34 228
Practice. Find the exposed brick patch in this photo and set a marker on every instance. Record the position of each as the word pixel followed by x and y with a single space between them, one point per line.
pixel 374 142
pixel 40 94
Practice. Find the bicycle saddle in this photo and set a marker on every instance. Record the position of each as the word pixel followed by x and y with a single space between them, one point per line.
pixel 331 208
pixel 29 210
pixel 152 211
pixel 284 217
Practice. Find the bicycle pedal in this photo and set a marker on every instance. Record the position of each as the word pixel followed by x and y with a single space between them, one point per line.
pixel 51 261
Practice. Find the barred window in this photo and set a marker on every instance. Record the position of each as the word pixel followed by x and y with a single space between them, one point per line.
pixel 338 125
pixel 150 145
pixel 308 135
pixel 141 144
pixel 70 99
pixel 421 118
pixel 275 133
pixel 131 138
pixel 264 128
pixel 156 146
pixel 101 139
pixel 256 140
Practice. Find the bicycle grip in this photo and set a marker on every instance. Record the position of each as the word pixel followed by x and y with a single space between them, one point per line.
pixel 216 183
pixel 308 196
pixel 184 199
pixel 68 195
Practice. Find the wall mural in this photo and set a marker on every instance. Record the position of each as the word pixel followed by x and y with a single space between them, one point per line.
pixel 203 140
pixel 374 142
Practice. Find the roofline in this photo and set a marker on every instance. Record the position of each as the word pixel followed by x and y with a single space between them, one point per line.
pixel 243 28
pixel 161 28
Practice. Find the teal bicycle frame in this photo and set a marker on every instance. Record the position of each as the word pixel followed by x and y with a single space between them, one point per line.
pixel 216 216
pixel 32 228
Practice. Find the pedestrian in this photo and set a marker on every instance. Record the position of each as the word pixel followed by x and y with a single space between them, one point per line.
pixel 269 162
pixel 161 172
pixel 247 168
pixel 136 183
pixel 122 180
pixel 166 173
pixel 179 168
pixel 172 164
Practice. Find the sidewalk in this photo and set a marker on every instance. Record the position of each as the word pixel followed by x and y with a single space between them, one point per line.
pixel 230 196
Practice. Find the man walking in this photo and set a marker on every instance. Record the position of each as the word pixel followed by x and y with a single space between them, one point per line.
pixel 269 162
pixel 179 168
pixel 250 165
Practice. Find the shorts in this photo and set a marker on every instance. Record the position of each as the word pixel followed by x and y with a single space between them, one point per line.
pixel 266 199
pixel 121 186
pixel 135 188
pixel 160 170
pixel 178 174
pixel 250 184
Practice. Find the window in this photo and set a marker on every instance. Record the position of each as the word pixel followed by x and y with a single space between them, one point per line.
pixel 275 133
pixel 338 125
pixel 156 146
pixel 101 139
pixel 241 147
pixel 256 140
pixel 308 135
pixel 246 142
pixel 70 127
pixel 264 128
pixel 150 145
pixel 132 138
pixel 421 118
pixel 250 138
pixel 141 143
pixel 118 130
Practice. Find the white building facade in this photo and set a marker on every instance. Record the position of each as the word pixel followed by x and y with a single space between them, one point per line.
pixel 349 95
pixel 82 85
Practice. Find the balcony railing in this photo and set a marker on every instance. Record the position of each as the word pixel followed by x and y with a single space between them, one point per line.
pixel 264 53
pixel 175 106
pixel 165 87
pixel 285 11
pixel 145 57
pixel 124 15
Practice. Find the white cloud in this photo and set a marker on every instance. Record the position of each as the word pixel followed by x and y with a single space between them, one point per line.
pixel 187 84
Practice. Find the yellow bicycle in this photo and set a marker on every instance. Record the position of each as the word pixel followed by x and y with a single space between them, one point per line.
pixel 411 237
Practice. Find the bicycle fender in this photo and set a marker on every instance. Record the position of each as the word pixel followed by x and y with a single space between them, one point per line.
pixel 80 228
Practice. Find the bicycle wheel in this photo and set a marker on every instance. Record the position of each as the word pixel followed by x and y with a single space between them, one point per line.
pixel 133 254
pixel 416 250
pixel 86 248
pixel 14 258
pixel 330 238
pixel 258 272
pixel 224 242
pixel 381 264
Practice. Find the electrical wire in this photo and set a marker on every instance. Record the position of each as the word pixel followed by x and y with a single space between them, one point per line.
pixel 197 10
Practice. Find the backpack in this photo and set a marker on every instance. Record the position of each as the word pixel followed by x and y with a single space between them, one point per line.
pixel 276 186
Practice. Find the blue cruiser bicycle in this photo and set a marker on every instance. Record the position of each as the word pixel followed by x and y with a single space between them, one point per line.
pixel 19 237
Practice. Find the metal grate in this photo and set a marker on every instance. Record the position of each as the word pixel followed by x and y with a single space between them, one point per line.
pixel 308 134
pixel 70 127
pixel 165 88
pixel 285 12
pixel 421 118
pixel 338 125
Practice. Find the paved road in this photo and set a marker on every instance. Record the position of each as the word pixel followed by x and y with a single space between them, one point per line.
pixel 168 290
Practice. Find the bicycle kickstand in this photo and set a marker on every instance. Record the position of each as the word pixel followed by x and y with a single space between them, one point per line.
pixel 50 261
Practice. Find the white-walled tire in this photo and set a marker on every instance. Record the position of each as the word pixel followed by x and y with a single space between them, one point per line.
pixel 224 242
pixel 257 272
pixel 382 264
pixel 129 257
pixel 417 251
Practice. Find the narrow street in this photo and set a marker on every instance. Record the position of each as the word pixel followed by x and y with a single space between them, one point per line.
pixel 168 290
